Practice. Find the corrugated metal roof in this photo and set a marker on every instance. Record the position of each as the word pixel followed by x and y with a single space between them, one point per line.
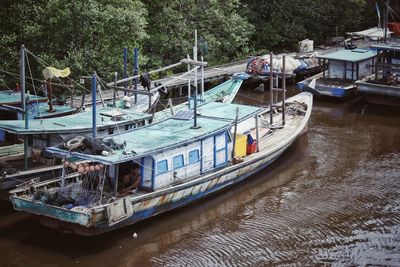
pixel 390 47
pixel 354 55
pixel 8 97
pixel 213 118
pixel 67 124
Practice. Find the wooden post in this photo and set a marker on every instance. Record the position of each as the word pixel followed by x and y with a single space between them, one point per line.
pixel 116 173
pixel 150 101
pixel 283 88
pixel 271 89
pixel 50 94
pixel 94 87
pixel 257 135
pixel 170 106
pixel 234 132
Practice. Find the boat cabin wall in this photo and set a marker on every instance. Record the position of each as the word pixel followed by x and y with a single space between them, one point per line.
pixel 348 70
pixel 175 165
pixel 178 164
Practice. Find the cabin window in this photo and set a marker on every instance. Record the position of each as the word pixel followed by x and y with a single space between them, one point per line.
pixel 178 162
pixel 162 166
pixel 194 156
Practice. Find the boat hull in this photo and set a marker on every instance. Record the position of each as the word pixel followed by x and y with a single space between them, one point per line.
pixel 135 208
pixel 329 90
pixel 154 204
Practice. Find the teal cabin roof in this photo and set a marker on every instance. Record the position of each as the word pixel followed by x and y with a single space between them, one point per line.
pixel 386 47
pixel 78 122
pixel 13 98
pixel 355 55
pixel 213 118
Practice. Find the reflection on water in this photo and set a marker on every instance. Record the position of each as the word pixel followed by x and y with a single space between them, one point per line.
pixel 333 198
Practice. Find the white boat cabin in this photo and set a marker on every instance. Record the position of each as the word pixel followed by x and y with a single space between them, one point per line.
pixel 348 64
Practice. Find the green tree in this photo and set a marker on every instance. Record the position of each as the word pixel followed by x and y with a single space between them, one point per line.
pixel 85 35
pixel 223 33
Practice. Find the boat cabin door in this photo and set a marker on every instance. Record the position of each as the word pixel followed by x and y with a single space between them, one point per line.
pixel 147 173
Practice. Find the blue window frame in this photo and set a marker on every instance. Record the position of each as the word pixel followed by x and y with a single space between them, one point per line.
pixel 178 162
pixel 194 156
pixel 162 166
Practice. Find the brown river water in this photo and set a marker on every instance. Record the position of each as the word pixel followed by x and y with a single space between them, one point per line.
pixel 332 199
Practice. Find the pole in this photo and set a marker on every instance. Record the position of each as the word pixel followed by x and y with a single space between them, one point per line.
pixel 202 79
pixel 195 126
pixel 125 66
pixel 50 94
pixel 26 140
pixel 234 133
pixel 257 135
pixel 22 76
pixel 188 82
pixel 23 101
pixel 135 69
pixel 94 87
pixel 115 84
pixel 283 88
pixel 271 88
pixel 386 16
pixel 195 59
pixel 196 84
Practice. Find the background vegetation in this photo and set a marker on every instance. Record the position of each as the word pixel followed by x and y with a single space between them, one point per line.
pixel 88 35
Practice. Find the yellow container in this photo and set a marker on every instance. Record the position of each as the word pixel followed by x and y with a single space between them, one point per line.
pixel 240 145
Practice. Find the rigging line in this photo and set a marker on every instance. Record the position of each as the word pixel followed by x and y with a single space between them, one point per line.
pixel 394 12
pixel 33 83
pixel 3 82
pixel 48 65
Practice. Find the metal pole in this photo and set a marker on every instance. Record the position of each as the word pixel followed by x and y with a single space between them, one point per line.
pixel 135 69
pixel 283 88
pixel 115 84
pixel 234 132
pixel 271 88
pixel 94 87
pixel 202 79
pixel 195 126
pixel 22 76
pixel 23 101
pixel 257 135
pixel 26 140
pixel 195 59
pixel 125 66
pixel 188 81
pixel 196 84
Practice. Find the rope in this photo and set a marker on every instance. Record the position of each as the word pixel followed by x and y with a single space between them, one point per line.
pixel 33 83
pixel 3 82
pixel 48 65
pixel 75 142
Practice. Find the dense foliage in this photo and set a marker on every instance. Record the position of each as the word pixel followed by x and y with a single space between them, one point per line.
pixel 88 35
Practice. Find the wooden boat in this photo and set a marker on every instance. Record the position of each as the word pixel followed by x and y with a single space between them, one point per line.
pixel 384 81
pixel 344 67
pixel 182 159
pixel 50 132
